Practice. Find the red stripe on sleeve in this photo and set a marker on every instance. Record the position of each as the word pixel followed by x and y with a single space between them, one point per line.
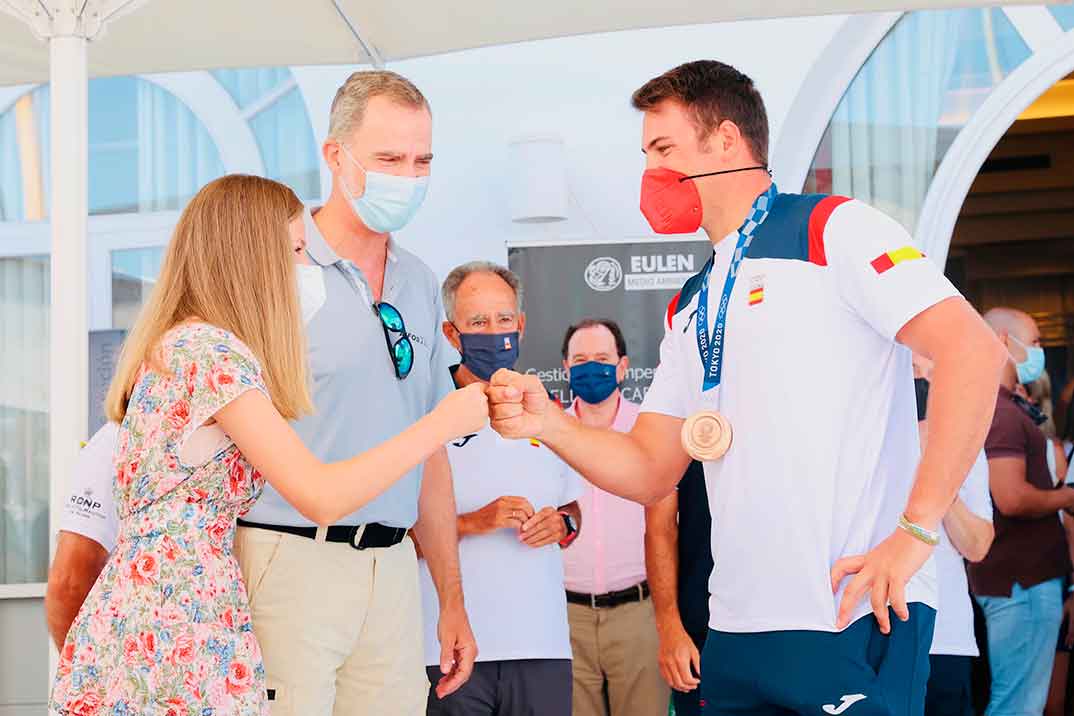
pixel 673 307
pixel 882 263
pixel 818 219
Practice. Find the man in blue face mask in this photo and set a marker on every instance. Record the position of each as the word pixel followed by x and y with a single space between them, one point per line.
pixel 516 512
pixel 338 610
pixel 613 625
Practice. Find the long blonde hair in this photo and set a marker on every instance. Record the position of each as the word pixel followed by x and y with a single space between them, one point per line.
pixel 230 264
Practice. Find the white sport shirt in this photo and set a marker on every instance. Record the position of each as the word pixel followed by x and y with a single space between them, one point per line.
pixel 90 507
pixel 821 400
pixel 954 619
pixel 514 593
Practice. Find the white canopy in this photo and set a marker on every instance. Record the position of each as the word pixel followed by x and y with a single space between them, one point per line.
pixel 67 41
pixel 166 35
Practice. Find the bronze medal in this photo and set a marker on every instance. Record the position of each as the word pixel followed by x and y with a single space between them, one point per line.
pixel 706 435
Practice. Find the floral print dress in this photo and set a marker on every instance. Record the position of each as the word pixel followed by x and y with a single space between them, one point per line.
pixel 166 629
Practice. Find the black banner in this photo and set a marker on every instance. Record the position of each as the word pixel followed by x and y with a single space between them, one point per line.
pixel 630 283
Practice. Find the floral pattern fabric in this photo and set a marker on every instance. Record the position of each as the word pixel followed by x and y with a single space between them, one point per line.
pixel 166 629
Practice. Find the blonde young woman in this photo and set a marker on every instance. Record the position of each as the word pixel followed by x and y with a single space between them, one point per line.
pixel 208 379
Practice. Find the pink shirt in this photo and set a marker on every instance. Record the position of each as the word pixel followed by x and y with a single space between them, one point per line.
pixel 609 553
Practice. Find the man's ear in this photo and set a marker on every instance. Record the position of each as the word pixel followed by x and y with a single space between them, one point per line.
pixel 521 326
pixel 452 334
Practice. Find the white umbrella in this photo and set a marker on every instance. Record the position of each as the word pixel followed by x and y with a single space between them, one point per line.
pixel 162 35
pixel 166 35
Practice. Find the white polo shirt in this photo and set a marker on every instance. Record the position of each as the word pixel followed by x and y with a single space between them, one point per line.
pixel 821 400
pixel 90 507
pixel 954 619
pixel 514 593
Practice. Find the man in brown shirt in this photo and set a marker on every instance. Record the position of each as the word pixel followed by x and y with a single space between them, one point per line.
pixel 1019 585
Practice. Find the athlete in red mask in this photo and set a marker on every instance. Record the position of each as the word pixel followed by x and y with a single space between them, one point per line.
pixel 785 368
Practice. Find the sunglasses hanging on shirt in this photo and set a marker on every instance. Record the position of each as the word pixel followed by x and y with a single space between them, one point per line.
pixel 401 350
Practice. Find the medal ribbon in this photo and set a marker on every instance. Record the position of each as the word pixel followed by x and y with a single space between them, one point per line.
pixel 711 348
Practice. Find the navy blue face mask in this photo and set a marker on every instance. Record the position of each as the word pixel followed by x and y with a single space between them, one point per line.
pixel 593 382
pixel 485 353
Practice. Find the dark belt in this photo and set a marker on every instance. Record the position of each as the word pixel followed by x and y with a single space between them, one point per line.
pixel 637 593
pixel 369 536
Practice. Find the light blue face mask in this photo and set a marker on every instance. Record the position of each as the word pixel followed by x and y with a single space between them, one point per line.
pixel 389 201
pixel 1032 367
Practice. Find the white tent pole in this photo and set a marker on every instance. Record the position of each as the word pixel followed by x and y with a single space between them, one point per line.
pixel 68 338
pixel 68 351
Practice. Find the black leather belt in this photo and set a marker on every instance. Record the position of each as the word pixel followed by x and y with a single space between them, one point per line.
pixel 370 536
pixel 637 593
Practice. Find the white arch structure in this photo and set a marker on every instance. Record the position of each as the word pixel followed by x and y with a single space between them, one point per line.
pixel 214 107
pixel 1051 58
pixel 819 95
pixel 951 183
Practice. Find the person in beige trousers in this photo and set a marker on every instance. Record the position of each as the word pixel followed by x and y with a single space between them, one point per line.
pixel 337 610
pixel 613 625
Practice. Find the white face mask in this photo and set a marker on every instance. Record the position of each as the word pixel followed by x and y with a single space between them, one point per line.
pixel 389 201
pixel 311 290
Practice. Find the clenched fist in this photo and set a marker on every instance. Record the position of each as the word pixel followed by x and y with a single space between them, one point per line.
pixel 463 411
pixel 518 404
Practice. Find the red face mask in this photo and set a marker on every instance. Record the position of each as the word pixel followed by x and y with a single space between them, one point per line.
pixel 670 202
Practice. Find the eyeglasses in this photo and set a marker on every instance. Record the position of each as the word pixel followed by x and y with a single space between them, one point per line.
pixel 401 350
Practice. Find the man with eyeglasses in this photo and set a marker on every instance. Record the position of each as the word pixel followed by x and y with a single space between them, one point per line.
pixel 337 610
pixel 517 510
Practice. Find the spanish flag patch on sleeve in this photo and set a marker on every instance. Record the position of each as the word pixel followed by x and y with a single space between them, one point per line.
pixel 888 260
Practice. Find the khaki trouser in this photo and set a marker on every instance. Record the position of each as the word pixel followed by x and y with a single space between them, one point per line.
pixel 617 645
pixel 340 629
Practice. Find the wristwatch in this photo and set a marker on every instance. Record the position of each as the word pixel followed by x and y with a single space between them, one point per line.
pixel 572 529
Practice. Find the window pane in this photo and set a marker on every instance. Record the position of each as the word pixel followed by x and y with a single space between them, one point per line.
pixel 134 272
pixel 147 151
pixel 24 487
pixel 24 158
pixel 11 207
pixel 113 148
pixel 286 141
pixel 900 114
pixel 250 85
pixel 1065 15
pixel 272 103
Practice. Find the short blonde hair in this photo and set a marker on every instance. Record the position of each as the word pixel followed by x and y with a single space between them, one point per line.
pixel 230 264
pixel 348 107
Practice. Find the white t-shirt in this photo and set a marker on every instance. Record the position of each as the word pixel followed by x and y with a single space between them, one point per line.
pixel 90 507
pixel 514 593
pixel 954 619
pixel 821 400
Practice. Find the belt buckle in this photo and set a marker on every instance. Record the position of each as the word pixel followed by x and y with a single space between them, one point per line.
pixel 593 601
pixel 356 538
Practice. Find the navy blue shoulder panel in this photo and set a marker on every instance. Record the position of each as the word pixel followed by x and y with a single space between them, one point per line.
pixel 785 233
pixel 692 286
pixel 689 289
